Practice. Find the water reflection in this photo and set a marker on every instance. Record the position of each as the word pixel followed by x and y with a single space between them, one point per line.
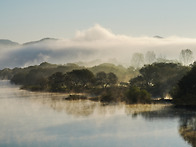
pixel 187 129
pixel 46 119
pixel 79 108
pixel 87 107
pixel 187 119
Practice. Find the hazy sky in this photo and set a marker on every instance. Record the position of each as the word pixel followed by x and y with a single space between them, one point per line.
pixel 26 20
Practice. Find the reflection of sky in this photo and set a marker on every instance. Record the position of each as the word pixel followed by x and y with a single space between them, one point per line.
pixel 28 119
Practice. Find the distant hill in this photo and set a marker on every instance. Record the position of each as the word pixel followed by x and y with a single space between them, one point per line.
pixel 158 37
pixel 6 42
pixel 47 69
pixel 40 41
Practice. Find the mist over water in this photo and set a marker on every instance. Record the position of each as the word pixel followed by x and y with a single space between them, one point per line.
pixel 45 119
pixel 94 44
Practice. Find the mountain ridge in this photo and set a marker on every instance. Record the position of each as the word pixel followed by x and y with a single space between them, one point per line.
pixel 7 42
pixel 39 41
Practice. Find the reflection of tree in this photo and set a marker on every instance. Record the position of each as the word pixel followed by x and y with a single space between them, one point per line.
pixel 86 108
pixel 148 111
pixel 80 108
pixel 187 123
pixel 188 130
pixel 74 107
pixel 154 112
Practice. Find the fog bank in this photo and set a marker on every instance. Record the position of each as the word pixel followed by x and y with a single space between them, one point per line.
pixel 94 44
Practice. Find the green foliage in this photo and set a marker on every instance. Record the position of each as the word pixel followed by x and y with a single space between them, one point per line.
pixel 113 94
pixel 79 79
pixel 121 72
pixel 185 91
pixel 29 75
pixel 19 78
pixel 73 78
pixel 137 95
pixel 56 82
pixel 102 79
pixel 111 79
pixel 107 97
pixel 159 78
pixel 5 74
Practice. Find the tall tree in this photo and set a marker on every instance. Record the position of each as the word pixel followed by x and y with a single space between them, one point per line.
pixel 186 56
pixel 150 57
pixel 137 60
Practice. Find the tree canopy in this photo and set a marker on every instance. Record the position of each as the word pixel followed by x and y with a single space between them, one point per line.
pixel 159 78
pixel 185 91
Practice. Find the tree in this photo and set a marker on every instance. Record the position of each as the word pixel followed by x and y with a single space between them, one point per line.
pixel 111 79
pixel 137 60
pixel 57 82
pixel 185 91
pixel 19 78
pixel 159 78
pixel 186 56
pixel 101 79
pixel 150 57
pixel 77 79
pixel 137 95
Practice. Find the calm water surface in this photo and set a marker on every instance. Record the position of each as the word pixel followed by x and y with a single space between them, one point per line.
pixel 45 119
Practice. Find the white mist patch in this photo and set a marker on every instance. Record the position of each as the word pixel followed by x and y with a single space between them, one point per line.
pixel 40 58
pixel 94 43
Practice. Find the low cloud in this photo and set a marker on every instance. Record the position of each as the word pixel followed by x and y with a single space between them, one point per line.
pixel 94 43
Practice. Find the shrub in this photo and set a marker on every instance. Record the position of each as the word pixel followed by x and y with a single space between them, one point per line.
pixel 137 95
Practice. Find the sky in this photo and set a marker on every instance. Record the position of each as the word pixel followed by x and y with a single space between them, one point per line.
pixel 95 30
pixel 27 20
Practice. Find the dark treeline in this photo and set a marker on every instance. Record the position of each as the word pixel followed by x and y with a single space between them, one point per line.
pixel 184 93
pixel 159 78
pixel 110 83
pixel 105 82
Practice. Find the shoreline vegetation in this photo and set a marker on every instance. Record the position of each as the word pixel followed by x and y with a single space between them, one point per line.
pixel 109 83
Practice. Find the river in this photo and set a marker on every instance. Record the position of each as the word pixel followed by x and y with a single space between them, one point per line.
pixel 29 119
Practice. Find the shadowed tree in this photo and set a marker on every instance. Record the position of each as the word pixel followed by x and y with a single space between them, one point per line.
pixel 57 82
pixel 111 79
pixel 137 95
pixel 101 79
pixel 159 78
pixel 185 91
pixel 104 80
pixel 79 78
pixel 19 78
